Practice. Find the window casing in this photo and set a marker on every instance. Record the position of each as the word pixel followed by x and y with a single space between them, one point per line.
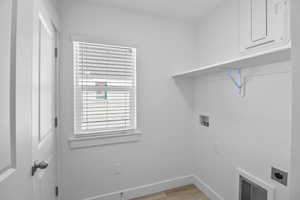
pixel 104 88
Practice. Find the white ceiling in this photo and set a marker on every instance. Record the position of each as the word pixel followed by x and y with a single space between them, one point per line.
pixel 190 10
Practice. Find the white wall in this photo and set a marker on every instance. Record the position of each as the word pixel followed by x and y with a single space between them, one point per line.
pixel 218 34
pixel 164 116
pixel 253 132
pixel 295 164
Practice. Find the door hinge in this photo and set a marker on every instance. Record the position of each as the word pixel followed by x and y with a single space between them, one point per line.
pixel 56 122
pixel 56 191
pixel 55 52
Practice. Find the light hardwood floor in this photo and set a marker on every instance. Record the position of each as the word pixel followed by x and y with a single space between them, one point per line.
pixel 189 192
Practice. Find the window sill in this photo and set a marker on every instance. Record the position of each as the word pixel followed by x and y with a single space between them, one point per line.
pixel 88 141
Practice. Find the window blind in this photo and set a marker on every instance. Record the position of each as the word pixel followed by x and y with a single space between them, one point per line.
pixel 105 87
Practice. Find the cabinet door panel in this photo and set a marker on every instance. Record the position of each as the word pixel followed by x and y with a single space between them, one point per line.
pixel 264 24
pixel 259 22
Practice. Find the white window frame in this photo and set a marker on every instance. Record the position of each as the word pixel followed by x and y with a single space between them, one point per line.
pixel 104 134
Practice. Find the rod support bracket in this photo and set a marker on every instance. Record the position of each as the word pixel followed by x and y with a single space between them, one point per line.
pixel 235 75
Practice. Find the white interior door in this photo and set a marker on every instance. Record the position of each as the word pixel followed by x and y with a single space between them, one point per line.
pixel 15 102
pixel 44 107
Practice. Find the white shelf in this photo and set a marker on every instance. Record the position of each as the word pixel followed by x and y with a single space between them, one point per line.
pixel 263 58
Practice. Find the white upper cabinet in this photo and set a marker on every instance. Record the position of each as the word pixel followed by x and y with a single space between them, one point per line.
pixel 263 24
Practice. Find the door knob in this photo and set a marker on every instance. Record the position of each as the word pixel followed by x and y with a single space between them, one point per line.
pixel 38 165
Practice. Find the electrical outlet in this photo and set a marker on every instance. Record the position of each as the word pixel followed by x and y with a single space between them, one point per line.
pixel 117 168
pixel 217 148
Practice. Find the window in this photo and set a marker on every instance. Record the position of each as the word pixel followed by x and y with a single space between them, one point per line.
pixel 104 88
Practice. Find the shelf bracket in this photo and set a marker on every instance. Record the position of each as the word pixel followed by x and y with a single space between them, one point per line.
pixel 235 75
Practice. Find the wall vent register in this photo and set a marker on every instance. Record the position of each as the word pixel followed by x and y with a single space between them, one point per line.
pixel 104 88
pixel 251 191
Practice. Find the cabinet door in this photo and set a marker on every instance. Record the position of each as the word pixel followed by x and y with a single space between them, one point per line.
pixel 263 23
pixel 259 20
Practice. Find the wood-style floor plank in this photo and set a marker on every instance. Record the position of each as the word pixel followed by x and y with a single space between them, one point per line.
pixel 188 192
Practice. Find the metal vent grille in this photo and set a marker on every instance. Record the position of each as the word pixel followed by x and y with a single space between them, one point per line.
pixel 251 191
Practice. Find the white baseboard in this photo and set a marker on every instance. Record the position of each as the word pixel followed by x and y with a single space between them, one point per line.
pixel 206 189
pixel 146 189
pixel 159 187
